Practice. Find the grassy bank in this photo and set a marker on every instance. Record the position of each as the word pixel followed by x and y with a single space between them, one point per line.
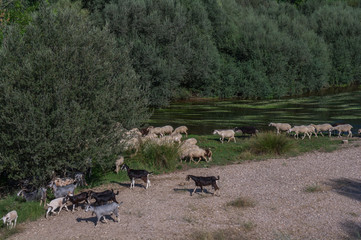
pixel 165 159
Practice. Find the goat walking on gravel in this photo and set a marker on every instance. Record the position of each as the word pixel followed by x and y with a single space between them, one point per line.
pixel 204 181
pixel 103 210
pixel 133 174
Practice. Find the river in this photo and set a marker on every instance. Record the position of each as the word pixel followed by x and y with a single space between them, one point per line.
pixel 203 116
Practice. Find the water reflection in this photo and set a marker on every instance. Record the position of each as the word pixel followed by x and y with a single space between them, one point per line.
pixel 201 117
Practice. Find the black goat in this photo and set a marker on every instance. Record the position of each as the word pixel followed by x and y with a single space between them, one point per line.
pixel 204 181
pixel 133 174
pixel 38 194
pixel 246 130
pixel 104 197
pixel 77 198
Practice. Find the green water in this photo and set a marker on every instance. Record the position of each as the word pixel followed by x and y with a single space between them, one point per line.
pixel 202 117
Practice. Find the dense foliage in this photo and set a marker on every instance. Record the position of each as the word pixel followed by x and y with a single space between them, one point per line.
pixel 71 72
pixel 65 86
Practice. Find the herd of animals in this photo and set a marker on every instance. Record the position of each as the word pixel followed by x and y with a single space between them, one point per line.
pixel 63 188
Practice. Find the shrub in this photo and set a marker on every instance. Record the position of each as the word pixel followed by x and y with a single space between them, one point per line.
pixel 158 157
pixel 241 202
pixel 270 143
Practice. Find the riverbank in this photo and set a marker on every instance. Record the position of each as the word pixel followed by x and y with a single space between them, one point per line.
pixel 312 196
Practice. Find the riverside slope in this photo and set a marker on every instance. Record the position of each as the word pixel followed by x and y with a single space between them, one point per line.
pixel 283 209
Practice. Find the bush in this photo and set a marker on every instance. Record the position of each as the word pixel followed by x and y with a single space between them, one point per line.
pixel 64 84
pixel 270 143
pixel 157 157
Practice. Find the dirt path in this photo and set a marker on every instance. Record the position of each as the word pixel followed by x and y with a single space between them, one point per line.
pixel 282 208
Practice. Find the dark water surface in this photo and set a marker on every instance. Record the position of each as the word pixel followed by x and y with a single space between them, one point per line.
pixel 203 116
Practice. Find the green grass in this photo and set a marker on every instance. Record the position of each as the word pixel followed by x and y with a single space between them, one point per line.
pixel 27 211
pixel 313 188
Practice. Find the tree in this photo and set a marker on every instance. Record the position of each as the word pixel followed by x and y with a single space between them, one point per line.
pixel 65 86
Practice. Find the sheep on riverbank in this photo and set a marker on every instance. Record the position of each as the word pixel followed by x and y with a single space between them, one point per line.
pixel 181 129
pixel 302 129
pixel 342 128
pixel 225 134
pixel 280 127
pixel 322 128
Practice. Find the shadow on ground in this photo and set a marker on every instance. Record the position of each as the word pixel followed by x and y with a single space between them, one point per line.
pixel 127 185
pixel 347 187
pixel 94 220
pixel 190 190
pixel 352 229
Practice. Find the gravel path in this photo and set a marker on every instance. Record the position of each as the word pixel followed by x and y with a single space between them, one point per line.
pixel 282 209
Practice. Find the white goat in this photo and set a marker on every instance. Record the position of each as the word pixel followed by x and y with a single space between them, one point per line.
pixel 341 129
pixel 302 129
pixel 280 126
pixel 225 134
pixel 118 163
pixel 10 219
pixel 322 128
pixel 181 129
pixel 56 203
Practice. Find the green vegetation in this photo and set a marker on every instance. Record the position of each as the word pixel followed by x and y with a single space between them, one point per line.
pixel 313 188
pixel 270 143
pixel 27 211
pixel 242 202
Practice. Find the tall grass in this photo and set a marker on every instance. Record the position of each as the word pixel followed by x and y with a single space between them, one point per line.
pixel 159 158
pixel 270 143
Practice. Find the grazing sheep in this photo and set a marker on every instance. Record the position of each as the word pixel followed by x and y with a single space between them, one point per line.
pixel 155 130
pixel 167 130
pixel 181 129
pixel 301 129
pixel 56 203
pixel 10 219
pixel 190 141
pixel 280 126
pixel 194 151
pixel 118 163
pixel 174 137
pixel 204 181
pixel 225 134
pixel 322 128
pixel 341 129
pixel 160 130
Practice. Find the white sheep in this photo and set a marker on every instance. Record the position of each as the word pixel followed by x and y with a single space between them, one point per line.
pixel 191 141
pixel 359 131
pixel 342 128
pixel 56 203
pixel 118 163
pixel 306 130
pixel 166 130
pixel 196 152
pixel 322 128
pixel 181 129
pixel 10 219
pixel 280 126
pixel 225 134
